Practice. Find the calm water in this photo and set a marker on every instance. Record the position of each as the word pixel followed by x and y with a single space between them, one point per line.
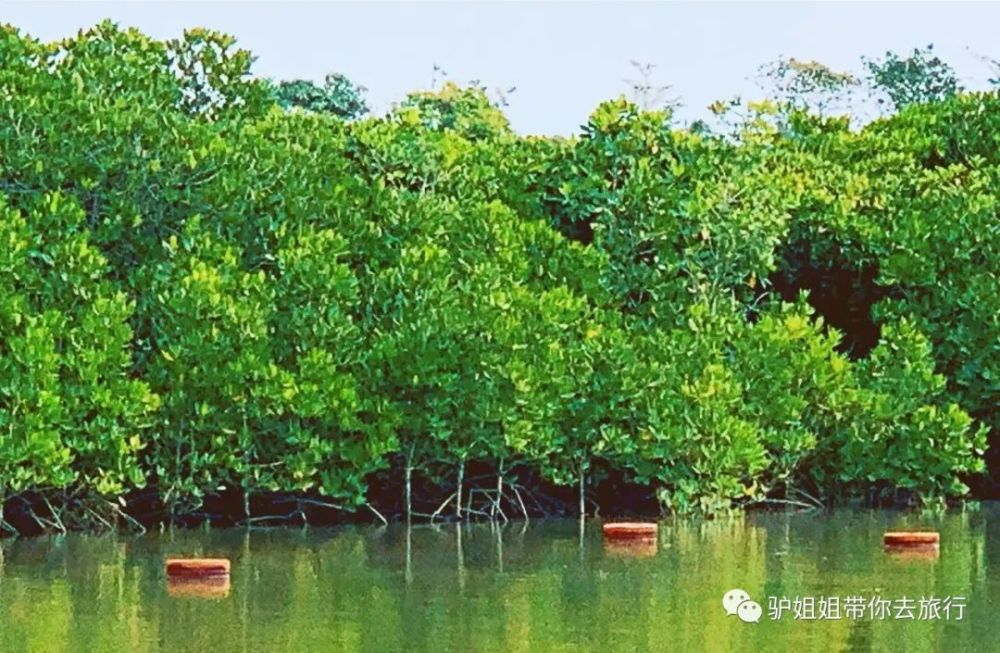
pixel 537 587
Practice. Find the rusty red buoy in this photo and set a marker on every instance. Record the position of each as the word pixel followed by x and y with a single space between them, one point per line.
pixel 911 539
pixel 197 567
pixel 912 544
pixel 630 531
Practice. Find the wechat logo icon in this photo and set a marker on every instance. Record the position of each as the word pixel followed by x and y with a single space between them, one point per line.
pixel 738 602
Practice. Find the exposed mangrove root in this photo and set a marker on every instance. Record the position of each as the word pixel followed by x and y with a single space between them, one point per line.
pixel 451 496
pixel 499 485
pixel 492 497
pixel 484 493
pixel 280 519
pixel 99 518
pixel 381 517
pixel 520 502
pixel 786 502
pixel 44 524
pixel 55 514
pixel 539 499
pixel 7 527
pixel 320 504
pixel 3 521
pixel 129 519
pixel 816 503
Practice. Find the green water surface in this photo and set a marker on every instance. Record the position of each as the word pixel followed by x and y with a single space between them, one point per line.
pixel 543 586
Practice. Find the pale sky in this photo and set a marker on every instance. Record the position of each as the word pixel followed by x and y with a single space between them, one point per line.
pixel 563 57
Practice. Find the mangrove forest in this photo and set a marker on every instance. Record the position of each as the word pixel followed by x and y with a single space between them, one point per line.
pixel 234 300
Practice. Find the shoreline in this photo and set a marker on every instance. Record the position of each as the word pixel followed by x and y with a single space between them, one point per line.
pixel 37 515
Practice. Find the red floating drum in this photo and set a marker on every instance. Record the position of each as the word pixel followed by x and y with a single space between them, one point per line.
pixel 630 531
pixel 197 567
pixel 911 538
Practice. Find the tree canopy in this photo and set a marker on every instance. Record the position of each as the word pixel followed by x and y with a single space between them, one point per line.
pixel 202 292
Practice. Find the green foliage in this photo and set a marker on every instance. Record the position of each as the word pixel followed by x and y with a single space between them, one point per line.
pixel 916 79
pixel 69 413
pixel 201 291
pixel 337 96
pixel 467 112
pixel 910 438
pixel 808 85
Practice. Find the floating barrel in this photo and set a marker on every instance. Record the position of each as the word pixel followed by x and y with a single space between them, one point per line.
pixel 621 531
pixel 911 539
pixel 912 544
pixel 197 567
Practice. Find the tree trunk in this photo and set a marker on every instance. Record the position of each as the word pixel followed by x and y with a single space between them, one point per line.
pixel 409 492
pixel 583 508
pixel 458 495
pixel 3 501
pixel 499 493
pixel 499 489
pixel 246 445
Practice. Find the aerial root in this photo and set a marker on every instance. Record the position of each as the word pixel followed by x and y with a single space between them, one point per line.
pixel 443 505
